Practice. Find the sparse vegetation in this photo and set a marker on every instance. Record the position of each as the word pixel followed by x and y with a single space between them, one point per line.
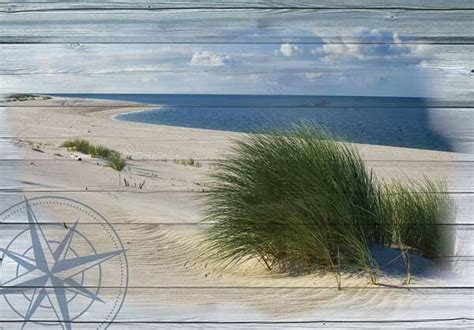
pixel 116 162
pixel 416 213
pixel 103 152
pixel 26 97
pixel 79 145
pixel 188 162
pixel 114 158
pixel 299 201
pixel 414 209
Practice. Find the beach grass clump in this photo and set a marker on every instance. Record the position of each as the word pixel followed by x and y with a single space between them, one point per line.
pixel 116 162
pixel 114 158
pixel 103 152
pixel 418 214
pixel 299 201
pixel 79 145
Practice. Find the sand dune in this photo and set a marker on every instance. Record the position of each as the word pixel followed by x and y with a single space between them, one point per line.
pixel 158 223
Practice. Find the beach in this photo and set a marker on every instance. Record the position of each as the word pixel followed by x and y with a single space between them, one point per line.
pixel 158 223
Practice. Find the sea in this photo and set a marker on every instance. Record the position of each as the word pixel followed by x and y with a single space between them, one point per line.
pixel 391 121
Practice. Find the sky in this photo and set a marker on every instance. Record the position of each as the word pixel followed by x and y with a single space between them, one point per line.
pixel 375 62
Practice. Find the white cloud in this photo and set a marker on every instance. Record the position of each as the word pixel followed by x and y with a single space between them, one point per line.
pixel 369 44
pixel 208 58
pixel 289 50
pixel 313 75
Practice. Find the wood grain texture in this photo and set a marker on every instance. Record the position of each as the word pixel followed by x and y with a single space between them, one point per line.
pixel 198 306
pixel 14 6
pixel 233 26
pixel 168 207
pixel 114 46
pixel 396 324
pixel 161 176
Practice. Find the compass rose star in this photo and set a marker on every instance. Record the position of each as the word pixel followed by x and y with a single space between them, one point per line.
pixel 51 269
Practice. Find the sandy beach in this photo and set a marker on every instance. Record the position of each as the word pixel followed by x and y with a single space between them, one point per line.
pixel 158 224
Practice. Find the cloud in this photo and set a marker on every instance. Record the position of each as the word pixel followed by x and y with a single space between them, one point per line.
pixel 208 58
pixel 369 45
pixel 289 50
pixel 313 75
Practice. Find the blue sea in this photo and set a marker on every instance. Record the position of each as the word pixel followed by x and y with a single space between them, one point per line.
pixel 391 121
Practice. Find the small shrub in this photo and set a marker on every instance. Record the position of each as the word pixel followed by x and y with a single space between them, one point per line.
pixel 116 162
pixel 192 162
pixel 104 152
pixel 114 158
pixel 296 201
pixel 299 201
pixel 79 145
pixel 188 162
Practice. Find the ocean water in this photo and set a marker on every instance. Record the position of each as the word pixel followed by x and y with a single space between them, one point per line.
pixel 392 121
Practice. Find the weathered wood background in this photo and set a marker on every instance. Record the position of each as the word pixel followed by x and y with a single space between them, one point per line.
pixel 101 39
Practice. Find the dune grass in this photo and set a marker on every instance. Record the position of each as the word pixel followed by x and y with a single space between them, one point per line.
pixel 116 162
pixel 79 145
pixel 300 202
pixel 114 158
pixel 418 215
pixel 103 152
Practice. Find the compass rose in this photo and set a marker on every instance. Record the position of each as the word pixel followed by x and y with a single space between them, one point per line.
pixel 48 278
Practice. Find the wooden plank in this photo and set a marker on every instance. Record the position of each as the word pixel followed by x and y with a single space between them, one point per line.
pixel 102 60
pixel 395 324
pixel 168 207
pixel 234 26
pixel 400 324
pixel 39 174
pixel 44 5
pixel 195 306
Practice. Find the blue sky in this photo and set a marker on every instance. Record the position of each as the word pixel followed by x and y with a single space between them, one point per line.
pixel 336 66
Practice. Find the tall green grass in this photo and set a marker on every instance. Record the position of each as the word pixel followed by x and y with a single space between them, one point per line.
pixel 116 162
pixel 418 215
pixel 114 158
pixel 79 145
pixel 299 202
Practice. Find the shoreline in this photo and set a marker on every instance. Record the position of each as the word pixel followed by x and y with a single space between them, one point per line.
pixel 160 223
pixel 114 117
pixel 147 107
